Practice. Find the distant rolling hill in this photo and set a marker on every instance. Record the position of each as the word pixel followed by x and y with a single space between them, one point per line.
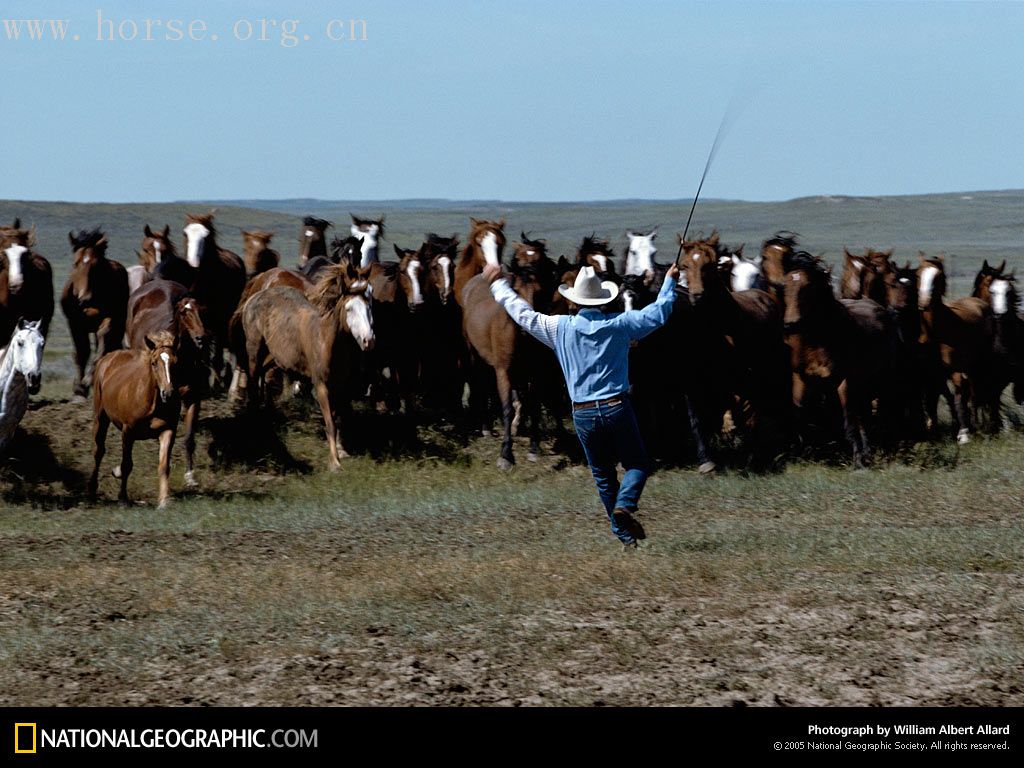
pixel 969 225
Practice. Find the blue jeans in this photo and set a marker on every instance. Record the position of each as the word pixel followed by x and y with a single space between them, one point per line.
pixel 610 435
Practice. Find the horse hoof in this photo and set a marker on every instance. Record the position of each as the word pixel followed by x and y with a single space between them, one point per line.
pixel 116 471
pixel 163 504
pixel 190 480
pixel 707 468
pixel 531 456
pixel 504 464
pixel 77 398
pixel 963 437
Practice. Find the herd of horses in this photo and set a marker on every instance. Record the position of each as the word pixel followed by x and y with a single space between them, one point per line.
pixel 759 353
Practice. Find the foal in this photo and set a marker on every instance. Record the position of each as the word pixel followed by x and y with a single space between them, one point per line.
pixel 136 392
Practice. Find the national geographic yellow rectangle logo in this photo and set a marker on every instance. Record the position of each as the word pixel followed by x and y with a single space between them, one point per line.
pixel 21 738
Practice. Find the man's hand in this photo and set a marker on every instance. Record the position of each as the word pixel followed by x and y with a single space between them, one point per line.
pixel 673 272
pixel 492 272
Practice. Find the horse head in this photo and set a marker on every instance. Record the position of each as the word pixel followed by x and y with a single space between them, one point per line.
pixel 901 288
pixel 412 277
pixel 931 281
pixel 486 242
pixel 26 351
pixel 199 237
pixel 808 288
pixel 698 261
pixel 440 253
pixel 90 255
pixel 258 255
pixel 313 240
pixel 597 253
pixel 371 231
pixel 190 322
pixel 15 245
pixel 162 360
pixel 156 247
pixel 773 253
pixel 640 252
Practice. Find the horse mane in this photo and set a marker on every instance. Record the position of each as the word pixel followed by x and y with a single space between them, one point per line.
pixel 88 238
pixel 329 289
pixel 540 245
pixel 313 221
pixel 783 239
pixel 811 264
pixel 361 222
pixel 339 243
pixel 206 219
pixel 441 242
pixel 594 244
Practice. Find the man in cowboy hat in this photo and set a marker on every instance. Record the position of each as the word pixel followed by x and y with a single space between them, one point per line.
pixel 593 349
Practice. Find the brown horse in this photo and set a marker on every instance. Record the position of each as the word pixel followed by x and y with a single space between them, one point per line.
pixel 155 249
pixel 319 340
pixel 275 277
pixel 135 391
pixel 838 347
pixel 95 303
pixel 774 251
pixel 958 340
pixel 313 240
pixel 597 253
pixel 485 246
pixel 26 282
pixel 747 352
pixel 259 256
pixel 864 275
pixel 162 305
pixel 219 282
pixel 444 362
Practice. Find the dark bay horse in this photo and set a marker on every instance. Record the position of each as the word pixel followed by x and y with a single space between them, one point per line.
pixel 157 258
pixel 95 303
pixel 864 275
pixel 774 251
pixel 313 240
pixel 342 249
pixel 958 338
pixel 26 282
pixel 162 305
pixel 597 253
pixel 839 347
pixel 998 289
pixel 320 340
pixel 135 391
pixel 218 285
pixel 744 347
pixel 259 256
pixel 444 361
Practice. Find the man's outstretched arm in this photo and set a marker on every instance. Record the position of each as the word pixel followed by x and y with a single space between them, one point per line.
pixel 542 327
pixel 641 322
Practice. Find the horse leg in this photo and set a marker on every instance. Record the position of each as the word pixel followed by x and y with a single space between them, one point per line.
pixel 104 343
pixel 99 439
pixel 705 463
pixel 127 442
pixel 851 423
pixel 533 408
pixel 961 390
pixel 506 459
pixel 166 444
pixel 82 350
pixel 324 399
pixel 191 421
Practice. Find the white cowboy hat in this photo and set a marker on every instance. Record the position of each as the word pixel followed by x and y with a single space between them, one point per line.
pixel 589 290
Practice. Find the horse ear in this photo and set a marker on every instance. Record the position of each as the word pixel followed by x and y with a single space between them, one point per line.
pixel 71 238
pixel 654 233
pixel 167 230
pixel 847 254
pixel 739 251
pixel 102 241
pixel 398 252
pixel 32 237
pixel 984 266
pixel 501 223
pixel 147 231
pixel 713 240
pixel 629 234
pixel 17 223
pixel 1002 267
pixel 474 222
pixel 149 343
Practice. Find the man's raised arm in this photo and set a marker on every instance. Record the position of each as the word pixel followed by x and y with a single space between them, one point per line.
pixel 542 327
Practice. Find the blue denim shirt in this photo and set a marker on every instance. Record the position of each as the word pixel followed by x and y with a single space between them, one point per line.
pixel 592 347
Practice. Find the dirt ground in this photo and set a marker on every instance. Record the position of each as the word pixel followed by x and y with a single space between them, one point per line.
pixel 438 580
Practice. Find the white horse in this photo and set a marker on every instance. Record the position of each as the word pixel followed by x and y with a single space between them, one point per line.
pixel 640 254
pixel 21 364
pixel 745 273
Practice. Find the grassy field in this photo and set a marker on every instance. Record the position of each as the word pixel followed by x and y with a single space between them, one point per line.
pixel 436 579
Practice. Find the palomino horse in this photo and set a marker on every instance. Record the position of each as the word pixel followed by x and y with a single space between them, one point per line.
pixel 220 280
pixel 372 232
pixel 999 289
pixel 313 241
pixel 95 302
pixel 135 391
pixel 272 278
pixel 259 256
pixel 744 331
pixel 838 347
pixel 320 340
pixel 958 342
pixel 21 364
pixel 26 282
pixel 162 305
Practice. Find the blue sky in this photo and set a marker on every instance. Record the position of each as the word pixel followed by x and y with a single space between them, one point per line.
pixel 514 100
